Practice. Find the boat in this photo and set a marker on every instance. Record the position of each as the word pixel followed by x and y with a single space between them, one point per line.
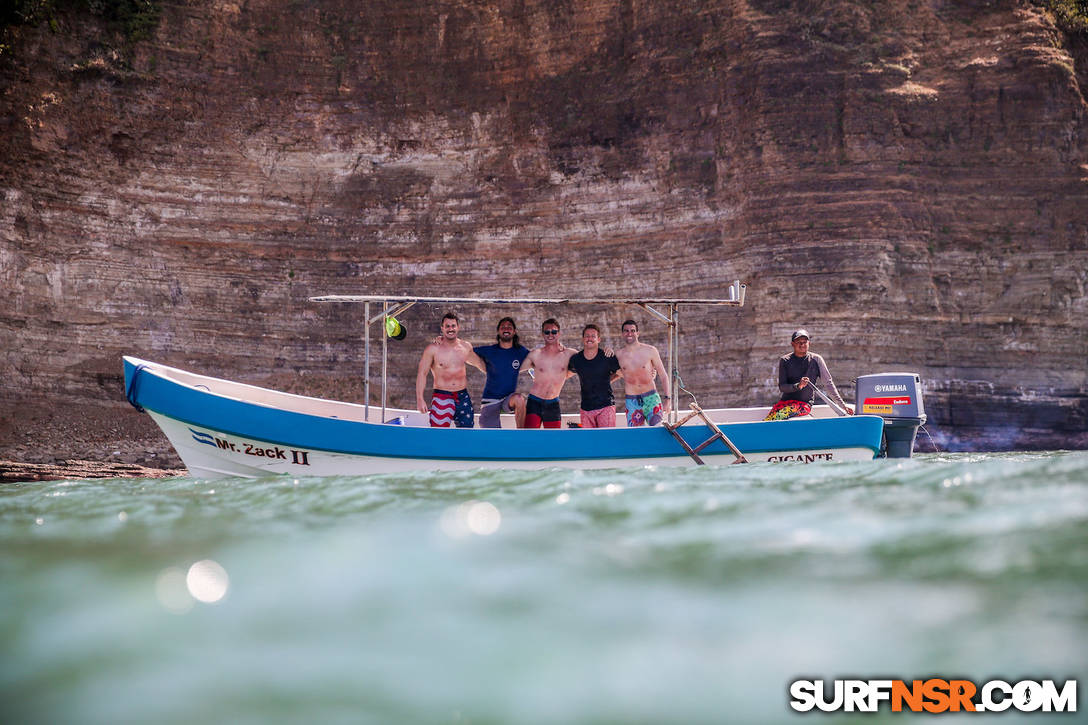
pixel 223 428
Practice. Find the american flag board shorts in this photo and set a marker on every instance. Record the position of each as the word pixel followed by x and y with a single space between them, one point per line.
pixel 450 409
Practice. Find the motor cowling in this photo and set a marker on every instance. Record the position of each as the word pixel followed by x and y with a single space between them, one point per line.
pixel 897 398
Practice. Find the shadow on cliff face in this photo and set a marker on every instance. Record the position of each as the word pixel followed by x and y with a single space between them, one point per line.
pixel 385 187
pixel 127 21
pixel 963 418
pixel 608 94
pixel 1077 44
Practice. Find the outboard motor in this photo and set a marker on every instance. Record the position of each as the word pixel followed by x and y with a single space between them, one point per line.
pixel 897 398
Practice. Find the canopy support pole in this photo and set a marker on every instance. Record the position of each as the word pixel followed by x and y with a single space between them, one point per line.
pixel 674 360
pixel 366 358
pixel 385 356
pixel 672 353
pixel 385 315
pixel 391 313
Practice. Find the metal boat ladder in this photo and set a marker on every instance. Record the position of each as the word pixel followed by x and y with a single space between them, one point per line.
pixel 716 434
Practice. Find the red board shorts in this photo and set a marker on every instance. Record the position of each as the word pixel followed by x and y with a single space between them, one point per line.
pixel 599 418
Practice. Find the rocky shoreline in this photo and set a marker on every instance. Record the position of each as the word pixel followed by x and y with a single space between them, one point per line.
pixel 66 439
pixel 18 472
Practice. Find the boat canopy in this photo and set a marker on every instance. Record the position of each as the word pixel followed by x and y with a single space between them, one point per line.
pixel 665 309
pixel 534 301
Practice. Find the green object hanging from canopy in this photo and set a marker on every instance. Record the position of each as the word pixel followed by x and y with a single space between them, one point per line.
pixel 394 329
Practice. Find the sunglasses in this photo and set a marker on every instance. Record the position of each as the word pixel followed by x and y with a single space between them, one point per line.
pixel 551 332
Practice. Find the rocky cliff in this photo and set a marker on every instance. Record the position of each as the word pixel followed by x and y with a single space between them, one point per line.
pixel 908 179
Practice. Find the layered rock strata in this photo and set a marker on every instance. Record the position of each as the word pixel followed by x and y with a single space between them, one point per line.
pixel 906 179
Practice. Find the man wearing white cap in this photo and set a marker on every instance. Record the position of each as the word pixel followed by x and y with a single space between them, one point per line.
pixel 798 371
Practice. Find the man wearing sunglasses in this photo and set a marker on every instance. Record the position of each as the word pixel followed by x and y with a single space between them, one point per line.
pixel 549 370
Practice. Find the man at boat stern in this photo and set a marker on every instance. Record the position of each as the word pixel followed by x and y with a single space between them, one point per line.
pixel 798 370
pixel 596 370
pixel 445 359
pixel 549 369
pixel 639 363
pixel 503 360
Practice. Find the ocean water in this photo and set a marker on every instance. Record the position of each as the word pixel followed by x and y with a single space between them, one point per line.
pixel 638 595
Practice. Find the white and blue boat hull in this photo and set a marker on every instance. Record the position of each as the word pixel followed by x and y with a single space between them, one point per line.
pixel 223 428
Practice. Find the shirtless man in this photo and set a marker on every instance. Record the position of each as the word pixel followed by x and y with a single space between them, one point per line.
pixel 549 365
pixel 638 362
pixel 445 359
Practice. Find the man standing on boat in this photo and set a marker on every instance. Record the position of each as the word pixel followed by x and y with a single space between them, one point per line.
pixel 445 359
pixel 797 371
pixel 596 371
pixel 638 363
pixel 549 366
pixel 503 360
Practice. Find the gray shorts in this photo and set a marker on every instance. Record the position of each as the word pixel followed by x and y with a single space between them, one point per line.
pixel 490 410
